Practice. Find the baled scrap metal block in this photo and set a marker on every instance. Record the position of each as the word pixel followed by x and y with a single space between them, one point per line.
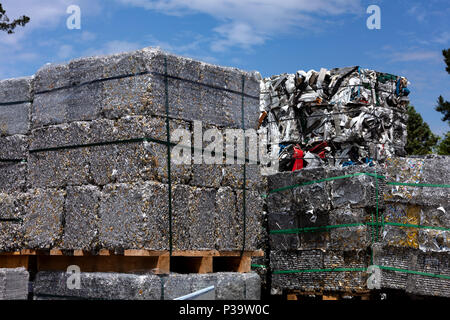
pixel 317 239
pixel 14 284
pixel 120 163
pixel 13 176
pixel 227 285
pixel 211 75
pixel 14 119
pixel 16 90
pixel 134 216
pixel 435 171
pixel 397 236
pixel 43 221
pixel 97 286
pixel 345 281
pixel 357 191
pixel 296 260
pixel 82 80
pixel 69 104
pixel 132 84
pixel 432 239
pixel 58 168
pixel 237 286
pixel 405 170
pixel 254 215
pixel 81 218
pixel 11 215
pixel 310 197
pixel 207 175
pixel 15 95
pixel 283 221
pixel 179 173
pixel 411 261
pixel 418 170
pixel 233 176
pixel 120 286
pixel 227 220
pixel 219 107
pixel 397 257
pixel 193 215
pixel 102 164
pixel 14 147
pixel 352 237
pixel 104 130
pixel 434 263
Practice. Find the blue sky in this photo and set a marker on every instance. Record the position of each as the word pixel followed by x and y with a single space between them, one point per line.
pixel 265 35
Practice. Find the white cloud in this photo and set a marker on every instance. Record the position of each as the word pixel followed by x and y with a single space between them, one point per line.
pixel 88 36
pixel 415 56
pixel 65 51
pixel 111 47
pixel 443 38
pixel 249 23
pixel 44 14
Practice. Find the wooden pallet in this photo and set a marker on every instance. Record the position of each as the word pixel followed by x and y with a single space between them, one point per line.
pixel 327 296
pixel 158 262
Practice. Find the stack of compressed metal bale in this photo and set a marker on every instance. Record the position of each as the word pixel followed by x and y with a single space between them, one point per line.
pixel 418 196
pixel 304 208
pixel 13 284
pixel 84 161
pixel 339 116
pixel 324 235
pixel 114 286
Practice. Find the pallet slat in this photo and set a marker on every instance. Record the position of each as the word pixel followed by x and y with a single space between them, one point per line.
pixel 159 262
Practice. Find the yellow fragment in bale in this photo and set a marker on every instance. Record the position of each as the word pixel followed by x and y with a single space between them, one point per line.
pixel 412 234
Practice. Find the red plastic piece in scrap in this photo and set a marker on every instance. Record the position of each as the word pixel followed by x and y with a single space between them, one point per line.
pixel 298 156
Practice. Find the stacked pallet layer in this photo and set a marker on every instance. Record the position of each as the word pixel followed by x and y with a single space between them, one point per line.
pixel 325 233
pixel 85 162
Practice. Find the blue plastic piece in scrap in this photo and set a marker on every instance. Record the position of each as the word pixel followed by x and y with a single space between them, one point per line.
pixel 348 163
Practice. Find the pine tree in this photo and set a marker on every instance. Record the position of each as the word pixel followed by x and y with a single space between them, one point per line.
pixel 444 107
pixel 7 26
pixel 444 147
pixel 446 54
pixel 420 138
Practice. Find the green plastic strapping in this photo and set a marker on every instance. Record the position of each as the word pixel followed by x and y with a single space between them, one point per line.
pixel 328 227
pixel 354 175
pixel 406 225
pixel 418 184
pixel 316 229
pixel 322 180
pixel 166 89
pixel 258 266
pixel 319 270
pixel 427 274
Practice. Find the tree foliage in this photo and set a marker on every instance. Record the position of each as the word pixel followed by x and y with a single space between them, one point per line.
pixel 444 108
pixel 444 147
pixel 446 54
pixel 6 25
pixel 420 138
